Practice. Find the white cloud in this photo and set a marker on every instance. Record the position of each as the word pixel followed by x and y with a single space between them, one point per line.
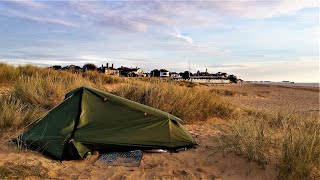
pixel 141 16
pixel 259 9
pixel 38 19
pixel 178 35
pixel 106 16
pixel 185 38
pixel 28 3
pixel 301 69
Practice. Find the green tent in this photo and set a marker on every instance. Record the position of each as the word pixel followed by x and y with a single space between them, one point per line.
pixel 89 119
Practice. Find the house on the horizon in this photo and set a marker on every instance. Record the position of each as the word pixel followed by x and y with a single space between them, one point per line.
pixel 209 79
pixel 130 72
pixel 164 73
pixel 109 70
pixel 174 74
pixel 160 73
pixel 221 75
pixel 205 77
pixel 203 73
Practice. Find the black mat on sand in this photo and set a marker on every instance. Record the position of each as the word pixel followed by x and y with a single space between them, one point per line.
pixel 130 158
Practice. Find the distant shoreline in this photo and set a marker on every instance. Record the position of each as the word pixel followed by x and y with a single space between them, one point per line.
pixel 315 85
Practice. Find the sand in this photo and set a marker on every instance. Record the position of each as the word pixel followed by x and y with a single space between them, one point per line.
pixel 198 163
pixel 272 97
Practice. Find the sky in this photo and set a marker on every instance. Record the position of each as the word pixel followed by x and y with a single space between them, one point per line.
pixel 271 40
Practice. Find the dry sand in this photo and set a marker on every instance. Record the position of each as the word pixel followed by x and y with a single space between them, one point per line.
pixel 198 163
pixel 272 97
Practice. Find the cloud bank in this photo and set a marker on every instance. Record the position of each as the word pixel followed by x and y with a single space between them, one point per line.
pixel 260 39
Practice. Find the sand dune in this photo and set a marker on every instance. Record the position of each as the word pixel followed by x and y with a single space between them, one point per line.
pixel 198 163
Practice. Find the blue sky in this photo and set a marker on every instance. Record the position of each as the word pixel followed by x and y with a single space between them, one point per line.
pixel 255 40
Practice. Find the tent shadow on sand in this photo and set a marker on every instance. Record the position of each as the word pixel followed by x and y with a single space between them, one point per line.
pixel 92 120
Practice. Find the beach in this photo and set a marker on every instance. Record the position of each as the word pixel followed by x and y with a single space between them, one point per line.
pixel 179 90
pixel 197 163
pixel 302 99
pixel 292 84
pixel 202 162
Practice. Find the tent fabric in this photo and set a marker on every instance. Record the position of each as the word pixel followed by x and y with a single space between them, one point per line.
pixel 90 119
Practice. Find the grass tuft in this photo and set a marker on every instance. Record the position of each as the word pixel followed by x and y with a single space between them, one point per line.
pixel 247 136
pixel 300 149
pixel 292 137
pixel 14 113
pixel 8 74
pixel 46 91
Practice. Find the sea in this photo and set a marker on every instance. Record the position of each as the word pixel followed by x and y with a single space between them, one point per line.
pixel 300 84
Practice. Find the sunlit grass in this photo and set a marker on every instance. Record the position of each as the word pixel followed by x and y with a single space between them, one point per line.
pixel 190 104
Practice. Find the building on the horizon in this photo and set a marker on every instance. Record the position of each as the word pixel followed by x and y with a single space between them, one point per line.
pixel 209 79
pixel 174 74
pixel 146 74
pixel 164 73
pixel 109 70
pixel 131 72
pixel 160 73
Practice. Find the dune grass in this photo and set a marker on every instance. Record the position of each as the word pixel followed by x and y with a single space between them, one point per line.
pixel 247 136
pixel 34 91
pixel 8 74
pixel 290 139
pixel 14 113
pixel 300 149
pixel 46 91
pixel 190 104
